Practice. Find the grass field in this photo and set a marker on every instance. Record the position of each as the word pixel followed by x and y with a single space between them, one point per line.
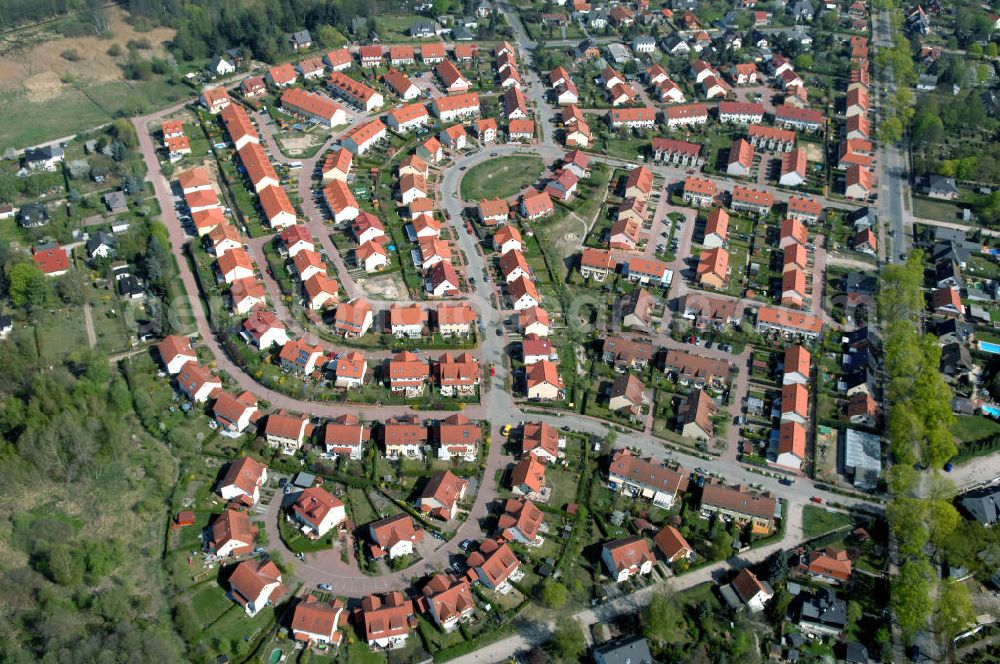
pixel 61 333
pixel 969 428
pixel 816 521
pixel 502 177
pixel 82 107
pixel 928 208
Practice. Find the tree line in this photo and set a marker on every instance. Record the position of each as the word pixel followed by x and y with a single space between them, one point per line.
pixel 208 27
pixel 923 519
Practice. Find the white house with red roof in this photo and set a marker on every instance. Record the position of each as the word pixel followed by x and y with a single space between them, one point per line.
pixel 234 414
pixel 243 481
pixel 345 436
pixel 264 329
pixel 494 565
pixel 350 369
pixel 51 259
pixel 231 534
pixel 441 495
pixel 316 512
pixel 387 621
pixel 626 558
pixel 393 536
pixel 254 584
pixel 286 432
pixel 448 601
pixel 316 622
pixel 197 382
pixel 175 352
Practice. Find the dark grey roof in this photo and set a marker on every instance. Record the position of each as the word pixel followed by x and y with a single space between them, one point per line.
pixel 962 406
pixel 983 505
pixel 301 37
pixel 130 286
pixel 955 359
pixel 858 360
pixel 304 480
pixel 730 597
pixel 947 269
pixel 673 41
pixel 461 33
pixel 945 234
pixel 861 214
pixel 99 238
pixel 863 457
pixel 824 609
pixel 115 200
pixel 857 338
pixel 43 153
pixel 860 282
pixel 855 653
pixel 952 327
pixel 6 322
pixel 801 9
pixel 958 252
pixel 859 377
pixel 630 650
pixel 33 214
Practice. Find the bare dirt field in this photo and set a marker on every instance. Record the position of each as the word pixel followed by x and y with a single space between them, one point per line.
pixel 33 60
pixel 294 144
pixel 389 287
pixel 814 151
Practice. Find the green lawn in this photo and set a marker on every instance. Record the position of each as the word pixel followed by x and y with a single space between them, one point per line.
pixel 79 107
pixel 60 333
pixel 969 428
pixel 502 177
pixel 816 521
pixel 929 208
pixel 363 512
pixel 210 602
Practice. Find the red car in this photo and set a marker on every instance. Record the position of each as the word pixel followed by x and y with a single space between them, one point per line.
pixel 816 499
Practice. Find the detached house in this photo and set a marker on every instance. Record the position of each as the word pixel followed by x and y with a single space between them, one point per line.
pixel 393 537
pixel 264 329
pixel 175 351
pixel 349 370
pixel 541 441
pixel 254 584
pixel 316 622
pixel 441 495
pixel 495 565
pixel 353 319
pixel 197 382
pixel 627 558
pixel 457 437
pixel 234 414
pixel 448 601
pixel 345 436
pixel 231 534
pixel 285 432
pixel 243 481
pixel 387 620
pixel 317 512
